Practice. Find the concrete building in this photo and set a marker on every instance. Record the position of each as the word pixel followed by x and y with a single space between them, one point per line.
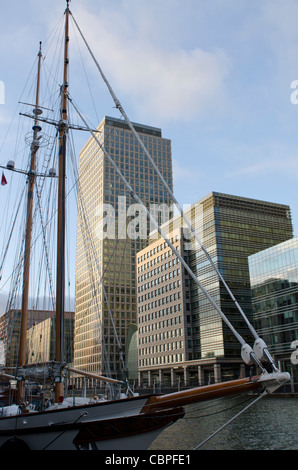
pixel 164 317
pixel 105 300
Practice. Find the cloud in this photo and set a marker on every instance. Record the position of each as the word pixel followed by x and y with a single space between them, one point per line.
pixel 277 166
pixel 167 83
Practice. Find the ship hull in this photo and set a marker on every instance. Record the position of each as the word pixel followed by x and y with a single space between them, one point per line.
pixel 104 426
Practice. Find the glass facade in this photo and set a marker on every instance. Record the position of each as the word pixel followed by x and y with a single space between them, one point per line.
pixel 274 284
pixel 114 264
pixel 231 228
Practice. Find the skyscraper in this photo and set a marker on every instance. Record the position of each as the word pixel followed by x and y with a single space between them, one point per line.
pixel 105 266
pixel 232 228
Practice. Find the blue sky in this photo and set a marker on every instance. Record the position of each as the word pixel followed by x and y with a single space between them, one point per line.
pixel 215 76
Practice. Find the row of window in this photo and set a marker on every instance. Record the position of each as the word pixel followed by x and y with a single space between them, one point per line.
pixel 164 335
pixel 158 348
pixel 158 156
pixel 155 282
pixel 159 302
pixel 159 291
pixel 149 137
pixel 155 271
pixel 169 359
pixel 157 260
pixel 158 249
pixel 160 313
pixel 161 324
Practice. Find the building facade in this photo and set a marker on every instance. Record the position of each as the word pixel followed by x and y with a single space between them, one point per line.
pixel 41 340
pixel 164 317
pixel 274 284
pixel 40 336
pixel 231 228
pixel 105 301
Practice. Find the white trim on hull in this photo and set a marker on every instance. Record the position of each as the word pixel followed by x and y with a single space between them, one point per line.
pixel 108 425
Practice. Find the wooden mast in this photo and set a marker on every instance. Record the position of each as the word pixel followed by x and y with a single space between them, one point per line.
pixel 27 254
pixel 63 128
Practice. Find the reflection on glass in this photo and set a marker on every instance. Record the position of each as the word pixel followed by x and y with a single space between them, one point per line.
pixel 274 284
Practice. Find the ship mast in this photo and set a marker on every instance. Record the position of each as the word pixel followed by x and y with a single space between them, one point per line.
pixel 63 129
pixel 27 254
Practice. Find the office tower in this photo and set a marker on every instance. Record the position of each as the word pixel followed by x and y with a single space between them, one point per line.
pixel 164 317
pixel 274 285
pixel 117 230
pixel 231 228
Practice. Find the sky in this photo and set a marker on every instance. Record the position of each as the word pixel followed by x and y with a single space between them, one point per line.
pixel 215 76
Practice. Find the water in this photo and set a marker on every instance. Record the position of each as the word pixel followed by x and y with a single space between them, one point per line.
pixel 270 424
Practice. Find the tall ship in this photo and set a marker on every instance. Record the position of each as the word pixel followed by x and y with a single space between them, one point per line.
pixel 124 419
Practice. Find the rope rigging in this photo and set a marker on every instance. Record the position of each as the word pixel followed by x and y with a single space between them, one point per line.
pixel 262 395
pixel 249 355
pixel 169 407
pixel 90 249
pixel 164 236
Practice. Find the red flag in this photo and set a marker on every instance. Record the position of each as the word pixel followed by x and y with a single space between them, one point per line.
pixel 3 180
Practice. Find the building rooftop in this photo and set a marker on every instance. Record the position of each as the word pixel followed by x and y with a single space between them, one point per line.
pixel 141 128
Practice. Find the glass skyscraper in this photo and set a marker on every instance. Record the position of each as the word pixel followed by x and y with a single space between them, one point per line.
pixel 105 298
pixel 231 228
pixel 274 284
